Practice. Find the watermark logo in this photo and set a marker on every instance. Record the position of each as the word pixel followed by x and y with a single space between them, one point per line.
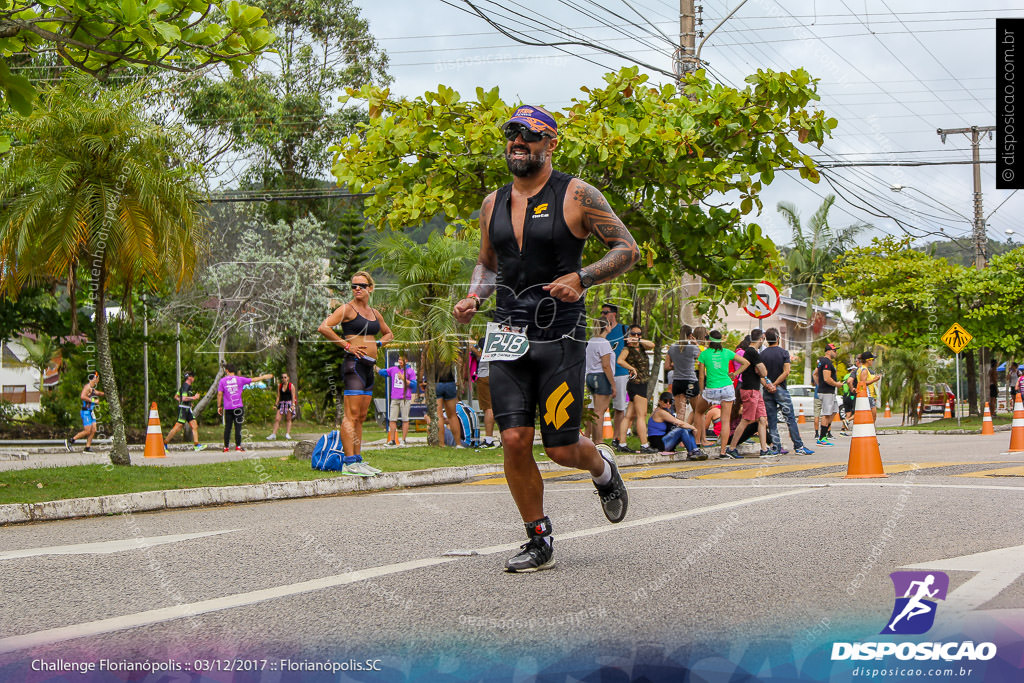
pixel 916 593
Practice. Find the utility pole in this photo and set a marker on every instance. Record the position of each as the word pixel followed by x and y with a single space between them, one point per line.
pixel 980 238
pixel 685 61
pixel 980 241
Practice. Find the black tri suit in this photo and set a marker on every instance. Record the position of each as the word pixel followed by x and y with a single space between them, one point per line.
pixel 549 377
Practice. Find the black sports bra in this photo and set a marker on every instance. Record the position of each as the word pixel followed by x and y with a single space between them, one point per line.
pixel 360 325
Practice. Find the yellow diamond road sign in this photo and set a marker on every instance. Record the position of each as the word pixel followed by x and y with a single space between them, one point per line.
pixel 956 338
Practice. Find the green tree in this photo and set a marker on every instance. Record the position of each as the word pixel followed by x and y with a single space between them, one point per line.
pixel 40 353
pixel 350 251
pixel 102 36
pixel 812 256
pixel 94 181
pixel 428 278
pixel 656 154
pixel 281 117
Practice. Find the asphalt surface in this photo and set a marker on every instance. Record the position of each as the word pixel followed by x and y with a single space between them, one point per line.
pixel 710 554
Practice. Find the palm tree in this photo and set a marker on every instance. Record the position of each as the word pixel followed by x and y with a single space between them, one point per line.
pixel 91 180
pixel 428 279
pixel 39 354
pixel 906 371
pixel 812 255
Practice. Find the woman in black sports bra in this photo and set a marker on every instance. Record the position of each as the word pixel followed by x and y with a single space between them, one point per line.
pixel 360 325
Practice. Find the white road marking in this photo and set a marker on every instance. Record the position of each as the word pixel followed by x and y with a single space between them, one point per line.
pixel 108 547
pixel 996 571
pixel 156 616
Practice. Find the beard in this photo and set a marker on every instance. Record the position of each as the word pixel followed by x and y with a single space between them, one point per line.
pixel 523 168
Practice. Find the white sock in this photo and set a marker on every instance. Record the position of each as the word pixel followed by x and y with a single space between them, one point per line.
pixel 606 475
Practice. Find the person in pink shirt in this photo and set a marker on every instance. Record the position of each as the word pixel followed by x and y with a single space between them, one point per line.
pixel 229 403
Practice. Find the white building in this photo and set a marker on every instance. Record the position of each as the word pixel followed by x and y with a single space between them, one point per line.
pixel 19 381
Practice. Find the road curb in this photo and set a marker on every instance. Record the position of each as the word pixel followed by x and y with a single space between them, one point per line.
pixel 946 432
pixel 147 501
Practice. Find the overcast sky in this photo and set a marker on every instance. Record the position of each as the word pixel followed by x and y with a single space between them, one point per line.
pixel 892 72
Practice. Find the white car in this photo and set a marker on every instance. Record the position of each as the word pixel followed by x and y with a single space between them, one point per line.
pixel 802 395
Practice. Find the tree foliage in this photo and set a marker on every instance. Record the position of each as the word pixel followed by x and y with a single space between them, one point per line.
pixel 657 153
pixel 101 36
pixel 281 117
pixel 93 181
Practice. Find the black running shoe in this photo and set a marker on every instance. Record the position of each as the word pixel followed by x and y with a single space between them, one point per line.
pixel 614 499
pixel 534 555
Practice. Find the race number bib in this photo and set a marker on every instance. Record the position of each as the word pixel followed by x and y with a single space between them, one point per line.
pixel 399 382
pixel 504 342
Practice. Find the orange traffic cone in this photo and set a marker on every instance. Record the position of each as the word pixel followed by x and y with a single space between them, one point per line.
pixel 1017 427
pixel 154 437
pixel 865 458
pixel 920 410
pixel 946 414
pixel 800 418
pixel 888 410
pixel 986 422
pixel 609 431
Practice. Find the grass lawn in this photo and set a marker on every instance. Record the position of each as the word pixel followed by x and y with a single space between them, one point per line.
pixel 973 422
pixel 80 481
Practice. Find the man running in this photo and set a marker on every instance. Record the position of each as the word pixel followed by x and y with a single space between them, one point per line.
pixel 532 233
pixel 89 399
pixel 185 397
pixel 827 384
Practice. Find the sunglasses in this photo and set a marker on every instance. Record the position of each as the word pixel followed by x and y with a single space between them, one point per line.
pixel 515 130
pixel 634 334
pixel 359 285
pixel 606 312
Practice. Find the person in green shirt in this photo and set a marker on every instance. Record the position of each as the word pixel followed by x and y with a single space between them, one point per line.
pixel 717 381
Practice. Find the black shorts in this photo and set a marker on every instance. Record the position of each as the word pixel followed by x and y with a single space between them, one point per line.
pixel 185 414
pixel 357 376
pixel 993 391
pixel 549 377
pixel 634 389
pixel 686 387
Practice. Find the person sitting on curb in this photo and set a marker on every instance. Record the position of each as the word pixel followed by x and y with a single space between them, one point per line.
pixel 664 439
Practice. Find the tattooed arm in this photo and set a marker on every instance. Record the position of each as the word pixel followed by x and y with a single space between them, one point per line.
pixel 485 273
pixel 587 213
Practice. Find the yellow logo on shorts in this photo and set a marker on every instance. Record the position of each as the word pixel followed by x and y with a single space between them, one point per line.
pixel 556 405
pixel 540 207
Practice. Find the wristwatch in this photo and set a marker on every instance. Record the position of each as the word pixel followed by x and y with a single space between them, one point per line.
pixel 586 279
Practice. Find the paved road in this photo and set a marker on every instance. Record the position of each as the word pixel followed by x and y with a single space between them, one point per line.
pixel 718 563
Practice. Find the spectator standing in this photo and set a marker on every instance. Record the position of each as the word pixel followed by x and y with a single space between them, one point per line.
pixel 287 399
pixel 716 379
pixel 665 430
pixel 401 379
pixel 681 359
pixel 446 391
pixel 230 405
pixel 634 359
pixel 600 376
pixel 993 386
pixel 360 326
pixel 826 386
pixel 1012 375
pixel 185 396
pixel 777 364
pixel 89 399
pixel 617 338
pixel 867 360
pixel 483 394
pixel 752 378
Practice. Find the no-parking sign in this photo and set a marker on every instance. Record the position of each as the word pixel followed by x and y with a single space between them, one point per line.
pixel 762 300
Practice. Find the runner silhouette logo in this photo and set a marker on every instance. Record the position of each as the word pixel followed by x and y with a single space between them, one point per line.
pixel 916 595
